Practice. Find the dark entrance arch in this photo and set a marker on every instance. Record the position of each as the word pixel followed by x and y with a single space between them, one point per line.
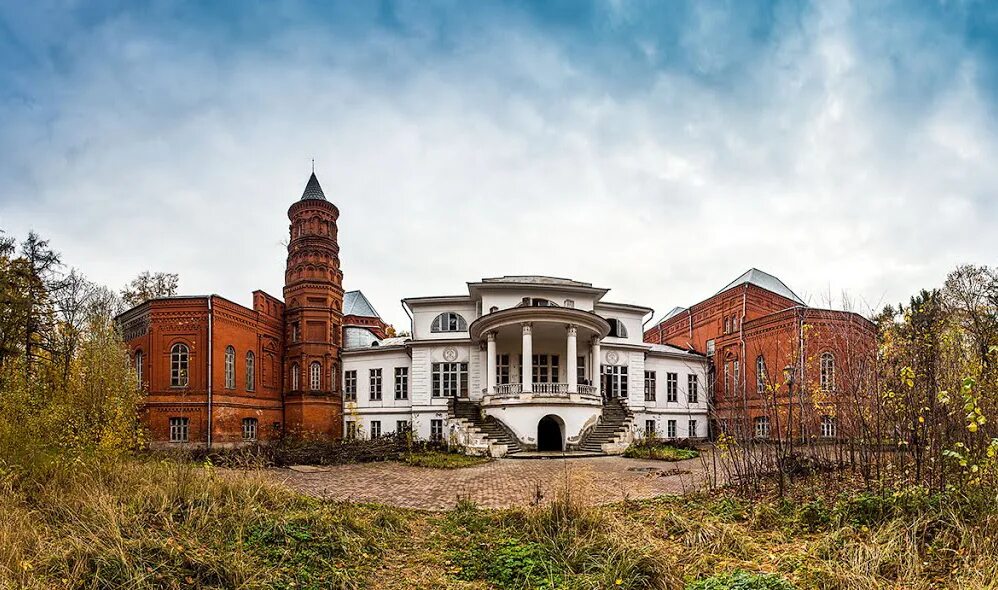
pixel 549 436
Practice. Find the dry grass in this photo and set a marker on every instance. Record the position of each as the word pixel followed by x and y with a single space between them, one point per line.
pixel 143 524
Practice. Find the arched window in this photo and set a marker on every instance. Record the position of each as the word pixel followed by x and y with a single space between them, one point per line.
pixel 617 329
pixel 315 376
pixel 295 372
pixel 230 367
pixel 138 367
pixel 727 325
pixel 827 371
pixel 761 424
pixel 449 322
pixel 760 374
pixel 828 429
pixel 179 358
pixel 250 371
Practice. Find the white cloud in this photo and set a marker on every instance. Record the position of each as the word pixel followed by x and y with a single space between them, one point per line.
pixel 505 154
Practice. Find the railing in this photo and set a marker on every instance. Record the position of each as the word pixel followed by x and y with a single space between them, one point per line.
pixel 587 389
pixel 509 389
pixel 550 388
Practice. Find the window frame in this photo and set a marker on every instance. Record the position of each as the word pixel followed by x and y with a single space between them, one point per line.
pixel 139 357
pixel 251 428
pixel 448 377
pixel 230 367
pixel 436 429
pixel 250 371
pixel 826 371
pixel 617 328
pixel 651 384
pixel 180 363
pixel 692 388
pixel 295 376
pixel 449 321
pixel 401 382
pixel 180 429
pixel 760 374
pixel 671 387
pixel 350 385
pixel 671 429
pixel 375 381
pixel 315 376
pixel 375 429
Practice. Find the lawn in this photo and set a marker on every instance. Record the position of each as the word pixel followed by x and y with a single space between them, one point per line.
pixel 442 460
pixel 160 524
pixel 659 451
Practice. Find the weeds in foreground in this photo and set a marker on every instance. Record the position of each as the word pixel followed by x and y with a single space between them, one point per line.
pixel 442 460
pixel 144 524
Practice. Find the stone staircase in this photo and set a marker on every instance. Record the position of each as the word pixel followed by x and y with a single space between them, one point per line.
pixel 486 431
pixel 614 429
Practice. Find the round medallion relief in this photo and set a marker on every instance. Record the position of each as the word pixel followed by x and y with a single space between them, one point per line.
pixel 612 357
pixel 450 354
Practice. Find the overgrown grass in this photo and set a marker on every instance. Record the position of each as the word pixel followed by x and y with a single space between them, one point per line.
pixel 659 450
pixel 442 460
pixel 163 524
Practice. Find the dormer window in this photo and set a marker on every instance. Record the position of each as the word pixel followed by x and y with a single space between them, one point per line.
pixel 493 309
pixel 617 329
pixel 449 322
pixel 541 303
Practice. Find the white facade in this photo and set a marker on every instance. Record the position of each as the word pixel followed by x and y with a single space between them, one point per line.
pixel 520 349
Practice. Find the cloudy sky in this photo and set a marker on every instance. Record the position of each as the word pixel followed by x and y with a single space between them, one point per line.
pixel 656 148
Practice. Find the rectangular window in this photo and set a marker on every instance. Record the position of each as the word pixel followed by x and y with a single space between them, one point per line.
pixel 402 426
pixel 351 430
pixel 294 332
pixel 710 348
pixel 376 385
pixel 728 389
pixel 580 371
pixel 615 381
pixel 650 386
pixel 249 429
pixel 375 428
pixel 401 382
pixel 650 428
pixel 350 386
pixel 672 387
pixel 545 368
pixel 670 429
pixel 735 375
pixel 693 429
pixel 436 430
pixel 450 379
pixel 179 429
pixel 502 369
pixel 692 389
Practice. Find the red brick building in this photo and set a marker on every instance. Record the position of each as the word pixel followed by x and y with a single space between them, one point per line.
pixel 218 373
pixel 778 365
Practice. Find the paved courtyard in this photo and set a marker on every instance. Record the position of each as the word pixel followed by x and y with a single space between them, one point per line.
pixel 499 484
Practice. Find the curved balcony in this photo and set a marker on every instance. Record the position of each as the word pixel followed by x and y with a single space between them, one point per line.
pixel 543 393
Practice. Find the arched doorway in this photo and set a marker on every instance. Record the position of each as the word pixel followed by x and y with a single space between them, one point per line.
pixel 549 435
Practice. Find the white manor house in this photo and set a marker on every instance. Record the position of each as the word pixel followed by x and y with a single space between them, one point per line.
pixel 522 363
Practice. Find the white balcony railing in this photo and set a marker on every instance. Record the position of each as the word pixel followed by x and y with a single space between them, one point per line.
pixel 587 389
pixel 550 388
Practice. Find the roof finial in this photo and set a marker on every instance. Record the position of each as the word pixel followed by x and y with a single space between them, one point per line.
pixel 313 165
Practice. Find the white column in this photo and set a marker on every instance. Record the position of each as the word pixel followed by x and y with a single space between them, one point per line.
pixel 597 378
pixel 527 369
pixel 572 351
pixel 490 364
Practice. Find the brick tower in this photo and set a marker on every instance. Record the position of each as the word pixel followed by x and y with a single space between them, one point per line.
pixel 313 295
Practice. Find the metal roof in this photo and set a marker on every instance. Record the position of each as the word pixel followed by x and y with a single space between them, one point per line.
pixel 354 303
pixel 672 313
pixel 313 190
pixel 536 280
pixel 766 281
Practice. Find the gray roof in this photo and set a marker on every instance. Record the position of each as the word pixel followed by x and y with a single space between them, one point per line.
pixel 536 280
pixel 354 303
pixel 766 281
pixel 672 313
pixel 669 348
pixel 312 189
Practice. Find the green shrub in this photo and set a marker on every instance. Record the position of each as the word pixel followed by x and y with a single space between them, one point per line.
pixel 442 460
pixel 659 450
pixel 740 580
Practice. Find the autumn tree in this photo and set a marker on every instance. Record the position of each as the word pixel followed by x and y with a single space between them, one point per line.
pixel 148 286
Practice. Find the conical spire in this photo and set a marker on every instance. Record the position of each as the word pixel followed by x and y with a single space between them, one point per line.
pixel 312 189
